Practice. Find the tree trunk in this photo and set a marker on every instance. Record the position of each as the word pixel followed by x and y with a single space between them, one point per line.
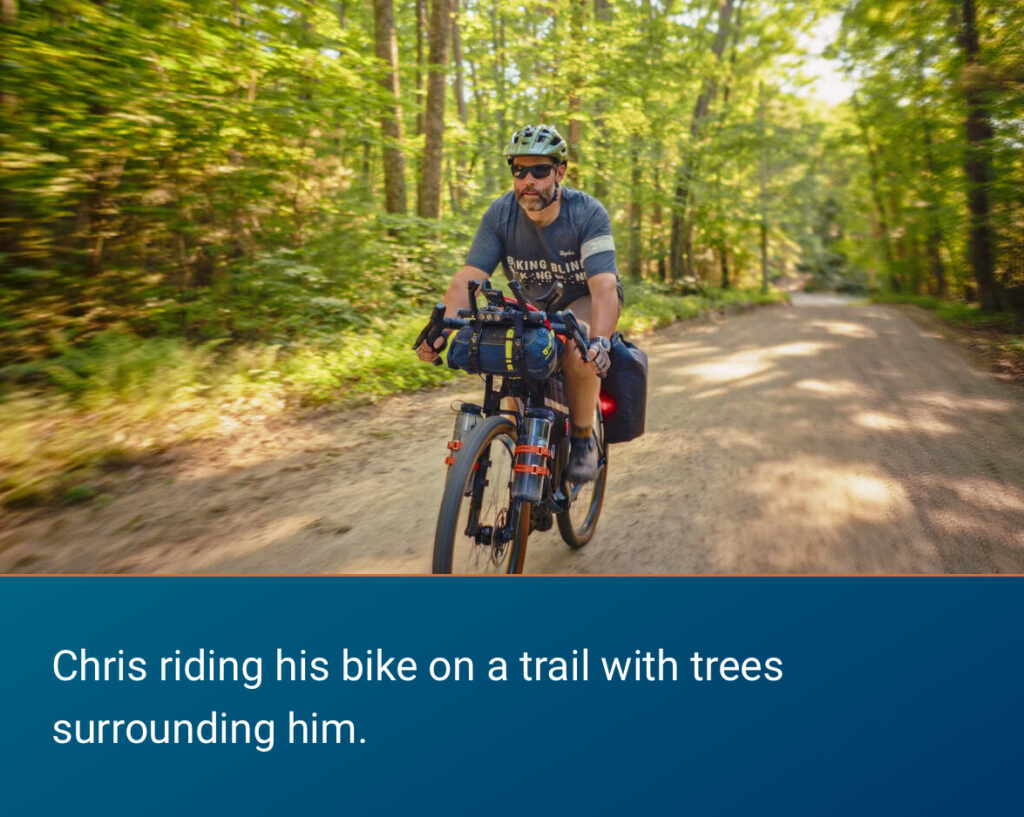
pixel 8 20
pixel 430 179
pixel 484 148
pixel 10 239
pixel 422 26
pixel 978 166
pixel 764 188
pixel 681 255
pixel 635 211
pixel 498 40
pixel 460 163
pixel 882 231
pixel 386 49
pixel 460 86
pixel 656 219
pixel 599 184
pixel 933 239
pixel 575 47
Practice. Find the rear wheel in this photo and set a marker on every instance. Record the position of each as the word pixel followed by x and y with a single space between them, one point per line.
pixel 578 523
pixel 480 528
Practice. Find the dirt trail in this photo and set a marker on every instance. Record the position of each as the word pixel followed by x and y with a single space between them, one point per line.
pixel 822 437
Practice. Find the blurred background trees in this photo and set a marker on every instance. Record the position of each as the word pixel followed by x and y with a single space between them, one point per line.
pixel 272 173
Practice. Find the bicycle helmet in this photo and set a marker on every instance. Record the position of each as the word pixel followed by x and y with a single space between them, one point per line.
pixel 537 140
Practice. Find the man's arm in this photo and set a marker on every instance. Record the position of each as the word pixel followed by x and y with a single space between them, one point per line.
pixel 604 304
pixel 604 307
pixel 456 298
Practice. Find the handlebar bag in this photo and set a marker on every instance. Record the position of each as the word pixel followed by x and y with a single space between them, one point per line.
pixel 505 350
pixel 624 392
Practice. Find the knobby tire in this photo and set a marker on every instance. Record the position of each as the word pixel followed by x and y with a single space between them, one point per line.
pixel 488 449
pixel 578 523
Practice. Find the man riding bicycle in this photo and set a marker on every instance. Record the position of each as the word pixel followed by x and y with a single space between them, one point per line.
pixel 557 242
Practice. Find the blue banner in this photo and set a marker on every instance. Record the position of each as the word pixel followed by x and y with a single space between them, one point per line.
pixel 786 696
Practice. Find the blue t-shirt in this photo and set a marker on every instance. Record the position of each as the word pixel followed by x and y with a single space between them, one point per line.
pixel 575 246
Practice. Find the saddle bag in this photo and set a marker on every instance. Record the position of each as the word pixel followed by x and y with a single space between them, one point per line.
pixel 624 392
pixel 505 350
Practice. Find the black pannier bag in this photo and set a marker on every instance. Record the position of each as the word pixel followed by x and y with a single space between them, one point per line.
pixel 497 351
pixel 624 392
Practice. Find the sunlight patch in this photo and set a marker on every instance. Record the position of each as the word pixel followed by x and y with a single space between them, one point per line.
pixel 834 388
pixel 733 368
pixel 798 349
pixel 822 494
pixel 747 363
pixel 878 421
pixel 952 402
pixel 846 329
pixel 921 421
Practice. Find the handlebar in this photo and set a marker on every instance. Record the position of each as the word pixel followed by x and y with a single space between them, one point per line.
pixel 561 323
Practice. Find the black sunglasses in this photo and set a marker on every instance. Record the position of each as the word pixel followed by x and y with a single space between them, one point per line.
pixel 538 171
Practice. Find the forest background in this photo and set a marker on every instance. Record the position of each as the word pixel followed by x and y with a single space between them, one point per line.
pixel 224 208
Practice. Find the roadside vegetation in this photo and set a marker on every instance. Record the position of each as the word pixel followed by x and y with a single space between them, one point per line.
pixel 119 398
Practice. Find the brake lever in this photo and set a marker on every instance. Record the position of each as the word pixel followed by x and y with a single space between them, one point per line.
pixel 573 325
pixel 517 290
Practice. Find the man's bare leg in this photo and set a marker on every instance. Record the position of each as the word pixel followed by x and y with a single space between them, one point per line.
pixel 582 386
pixel 582 390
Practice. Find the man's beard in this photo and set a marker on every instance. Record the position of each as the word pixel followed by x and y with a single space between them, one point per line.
pixel 540 202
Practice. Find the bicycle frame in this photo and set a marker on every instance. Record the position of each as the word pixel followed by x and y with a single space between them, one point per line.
pixel 520 511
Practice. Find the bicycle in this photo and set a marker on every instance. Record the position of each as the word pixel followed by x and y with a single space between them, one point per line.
pixel 506 472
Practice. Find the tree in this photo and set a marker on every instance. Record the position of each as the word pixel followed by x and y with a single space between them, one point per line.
pixel 430 178
pixel 680 259
pixel 978 163
pixel 386 49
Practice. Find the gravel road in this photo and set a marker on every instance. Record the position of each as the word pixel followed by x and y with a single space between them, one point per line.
pixel 824 437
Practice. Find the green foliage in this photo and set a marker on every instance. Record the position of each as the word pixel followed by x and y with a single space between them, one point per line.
pixel 956 313
pixel 152 150
pixel 119 398
pixel 908 220
pixel 116 366
pixel 653 306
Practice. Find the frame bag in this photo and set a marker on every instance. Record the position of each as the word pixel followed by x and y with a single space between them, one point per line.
pixel 624 392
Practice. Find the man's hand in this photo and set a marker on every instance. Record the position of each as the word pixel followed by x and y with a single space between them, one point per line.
pixel 456 298
pixel 428 353
pixel 598 355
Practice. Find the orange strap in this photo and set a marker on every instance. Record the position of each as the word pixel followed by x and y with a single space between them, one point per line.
pixel 539 470
pixel 533 449
pixel 451 461
pixel 453 445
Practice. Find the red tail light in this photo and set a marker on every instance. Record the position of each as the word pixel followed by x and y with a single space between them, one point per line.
pixel 607 405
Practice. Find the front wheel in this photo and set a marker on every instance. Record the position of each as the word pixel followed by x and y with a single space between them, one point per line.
pixel 579 521
pixel 480 528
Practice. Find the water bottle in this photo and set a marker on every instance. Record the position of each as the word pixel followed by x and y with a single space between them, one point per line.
pixel 468 416
pixel 532 455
